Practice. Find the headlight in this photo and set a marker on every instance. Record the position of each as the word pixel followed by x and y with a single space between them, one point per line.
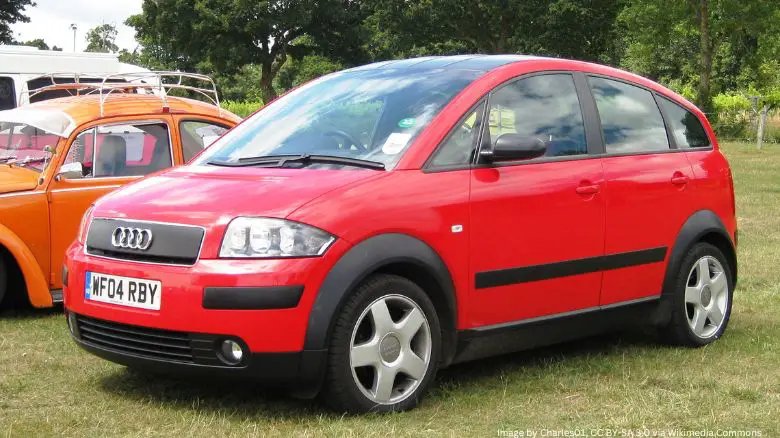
pixel 272 238
pixel 84 224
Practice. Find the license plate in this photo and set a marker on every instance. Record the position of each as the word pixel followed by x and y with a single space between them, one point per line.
pixel 123 291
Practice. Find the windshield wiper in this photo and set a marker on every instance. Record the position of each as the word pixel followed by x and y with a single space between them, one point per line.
pixel 281 160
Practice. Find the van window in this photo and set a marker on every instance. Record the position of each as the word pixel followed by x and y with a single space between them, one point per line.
pixel 630 118
pixel 197 135
pixel 7 93
pixel 121 150
pixel 686 127
pixel 544 106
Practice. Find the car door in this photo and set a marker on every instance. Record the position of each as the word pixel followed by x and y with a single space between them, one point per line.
pixel 536 225
pixel 109 155
pixel 647 193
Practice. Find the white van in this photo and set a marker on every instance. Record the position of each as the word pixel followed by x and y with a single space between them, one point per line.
pixel 24 68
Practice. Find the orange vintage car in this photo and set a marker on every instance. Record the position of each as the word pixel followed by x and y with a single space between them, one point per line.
pixel 59 155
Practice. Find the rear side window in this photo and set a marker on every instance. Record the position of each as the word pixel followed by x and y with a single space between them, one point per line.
pixel 197 135
pixel 7 93
pixel 544 106
pixel 687 128
pixel 630 118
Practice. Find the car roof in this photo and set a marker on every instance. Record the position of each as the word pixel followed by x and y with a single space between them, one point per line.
pixel 482 63
pixel 86 108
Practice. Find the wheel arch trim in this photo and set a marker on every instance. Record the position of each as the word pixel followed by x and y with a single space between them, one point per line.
pixel 360 261
pixel 698 225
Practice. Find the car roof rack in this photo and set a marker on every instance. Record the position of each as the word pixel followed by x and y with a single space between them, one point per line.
pixel 158 83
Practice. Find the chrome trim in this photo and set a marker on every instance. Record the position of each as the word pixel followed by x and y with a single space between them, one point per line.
pixel 78 189
pixel 197 258
pixel 28 192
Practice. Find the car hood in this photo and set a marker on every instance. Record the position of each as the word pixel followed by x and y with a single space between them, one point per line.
pixel 17 179
pixel 211 196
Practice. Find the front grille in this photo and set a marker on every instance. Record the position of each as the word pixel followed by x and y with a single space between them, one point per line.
pixel 147 342
pixel 173 244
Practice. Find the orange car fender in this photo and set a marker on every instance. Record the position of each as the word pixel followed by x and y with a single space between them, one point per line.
pixel 37 286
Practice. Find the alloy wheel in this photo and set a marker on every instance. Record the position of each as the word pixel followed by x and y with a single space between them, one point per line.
pixel 706 297
pixel 390 349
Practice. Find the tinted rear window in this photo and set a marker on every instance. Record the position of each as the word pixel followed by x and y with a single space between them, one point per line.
pixel 630 117
pixel 687 128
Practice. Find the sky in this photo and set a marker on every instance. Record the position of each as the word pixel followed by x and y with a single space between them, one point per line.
pixel 51 20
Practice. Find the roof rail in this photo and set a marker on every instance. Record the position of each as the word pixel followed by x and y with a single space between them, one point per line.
pixel 159 83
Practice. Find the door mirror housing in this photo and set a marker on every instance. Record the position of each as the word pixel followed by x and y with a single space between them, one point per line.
pixel 513 147
pixel 71 171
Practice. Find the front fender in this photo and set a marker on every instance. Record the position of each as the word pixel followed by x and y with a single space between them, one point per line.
pixel 361 261
pixel 34 279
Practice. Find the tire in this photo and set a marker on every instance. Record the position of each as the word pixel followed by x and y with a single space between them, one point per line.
pixel 3 277
pixel 387 348
pixel 700 304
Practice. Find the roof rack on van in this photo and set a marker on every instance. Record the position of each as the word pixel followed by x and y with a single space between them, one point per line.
pixel 159 83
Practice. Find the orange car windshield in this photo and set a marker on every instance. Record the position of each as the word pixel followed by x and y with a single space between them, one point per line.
pixel 26 145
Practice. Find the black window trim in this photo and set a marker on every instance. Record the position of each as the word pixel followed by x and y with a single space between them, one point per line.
pixel 98 124
pixel 591 149
pixel 670 129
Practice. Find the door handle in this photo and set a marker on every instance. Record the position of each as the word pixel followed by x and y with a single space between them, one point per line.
pixel 679 179
pixel 590 189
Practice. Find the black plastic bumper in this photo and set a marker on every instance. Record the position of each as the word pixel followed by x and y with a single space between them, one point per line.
pixel 301 371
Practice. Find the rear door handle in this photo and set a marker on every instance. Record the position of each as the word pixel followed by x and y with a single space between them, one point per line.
pixel 590 189
pixel 679 179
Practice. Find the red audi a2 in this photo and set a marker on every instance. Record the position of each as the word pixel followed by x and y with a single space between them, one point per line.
pixel 380 223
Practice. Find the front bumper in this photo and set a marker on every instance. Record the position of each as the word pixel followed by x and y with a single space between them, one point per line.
pixel 186 306
pixel 130 346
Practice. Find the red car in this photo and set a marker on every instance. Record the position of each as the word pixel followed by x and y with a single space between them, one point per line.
pixel 380 223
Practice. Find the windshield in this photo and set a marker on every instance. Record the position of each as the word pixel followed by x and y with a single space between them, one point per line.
pixel 362 114
pixel 26 145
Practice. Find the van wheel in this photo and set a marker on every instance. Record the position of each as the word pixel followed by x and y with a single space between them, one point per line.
pixel 701 301
pixel 384 352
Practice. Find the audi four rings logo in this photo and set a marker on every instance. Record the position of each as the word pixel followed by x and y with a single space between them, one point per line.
pixel 131 238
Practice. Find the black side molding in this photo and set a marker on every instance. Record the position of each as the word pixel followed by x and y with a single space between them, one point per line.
pixel 504 277
pixel 252 298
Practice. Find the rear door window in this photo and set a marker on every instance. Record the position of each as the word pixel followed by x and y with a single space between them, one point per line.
pixel 7 93
pixel 197 135
pixel 122 150
pixel 630 118
pixel 686 127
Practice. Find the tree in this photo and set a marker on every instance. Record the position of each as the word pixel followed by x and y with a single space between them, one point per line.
pixel 582 29
pixel 227 35
pixel 711 44
pixel 11 11
pixel 102 39
pixel 38 42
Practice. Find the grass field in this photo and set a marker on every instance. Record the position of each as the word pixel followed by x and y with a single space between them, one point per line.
pixel 50 387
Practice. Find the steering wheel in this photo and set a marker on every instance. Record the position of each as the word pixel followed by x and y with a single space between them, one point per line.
pixel 349 140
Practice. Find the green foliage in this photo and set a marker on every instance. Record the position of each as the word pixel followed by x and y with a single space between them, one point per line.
pixel 297 72
pixel 102 39
pixel 241 109
pixel 38 42
pixel 12 11
pixel 228 35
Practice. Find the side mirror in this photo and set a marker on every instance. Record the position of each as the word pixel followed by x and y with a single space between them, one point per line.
pixel 71 171
pixel 512 147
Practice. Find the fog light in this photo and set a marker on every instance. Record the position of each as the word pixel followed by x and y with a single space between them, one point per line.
pixel 231 352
